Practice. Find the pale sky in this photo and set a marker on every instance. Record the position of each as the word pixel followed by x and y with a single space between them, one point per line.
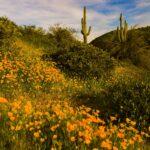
pixel 102 15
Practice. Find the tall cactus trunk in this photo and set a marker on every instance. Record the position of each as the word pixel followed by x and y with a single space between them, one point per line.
pixel 84 31
pixel 125 29
pixel 122 30
pixel 85 38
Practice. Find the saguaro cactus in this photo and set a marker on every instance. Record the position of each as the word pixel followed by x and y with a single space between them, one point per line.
pixel 84 31
pixel 122 31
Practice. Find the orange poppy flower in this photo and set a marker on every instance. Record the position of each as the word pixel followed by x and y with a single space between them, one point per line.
pixel 3 100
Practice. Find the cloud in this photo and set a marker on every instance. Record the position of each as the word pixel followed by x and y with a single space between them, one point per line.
pixel 143 3
pixel 101 14
pixel 142 19
pixel 141 13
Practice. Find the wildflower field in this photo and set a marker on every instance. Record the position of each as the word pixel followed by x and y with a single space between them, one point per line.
pixel 36 111
pixel 44 108
pixel 52 124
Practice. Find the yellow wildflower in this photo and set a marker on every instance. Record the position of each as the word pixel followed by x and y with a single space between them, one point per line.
pixel 80 134
pixel 54 137
pixel 72 139
pixel 131 142
pixel 12 118
pixel 31 129
pixel 16 105
pixel 120 135
pixel 36 134
pixel 53 128
pixel 122 125
pixel 115 148
pixel 128 120
pixel 3 100
pixel 70 127
pixel 12 128
pixel 42 140
pixel 112 118
pixel 31 123
pixel 106 144
pixel 124 144
pixel 28 108
pixel 87 140
pixel 101 132
pixel 133 123
pixel 10 114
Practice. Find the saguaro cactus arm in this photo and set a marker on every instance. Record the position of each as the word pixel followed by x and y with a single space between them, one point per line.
pixel 125 29
pixel 89 31
pixel 118 34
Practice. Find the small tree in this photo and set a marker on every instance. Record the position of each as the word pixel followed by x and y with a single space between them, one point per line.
pixel 64 37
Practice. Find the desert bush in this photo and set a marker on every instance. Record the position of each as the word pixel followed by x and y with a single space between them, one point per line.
pixel 8 28
pixel 130 100
pixel 126 93
pixel 60 40
pixel 84 61
pixel 64 37
pixel 9 32
pixel 38 37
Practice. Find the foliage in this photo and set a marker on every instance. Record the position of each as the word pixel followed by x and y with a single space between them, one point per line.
pixel 128 49
pixel 143 59
pixel 63 36
pixel 125 93
pixel 25 72
pixel 38 37
pixel 8 29
pixel 51 41
pixel 130 98
pixel 56 125
pixel 37 107
pixel 135 48
pixel 8 33
pixel 84 61
pixel 105 41
pixel 145 31
pixel 27 76
pixel 55 39
pixel 61 40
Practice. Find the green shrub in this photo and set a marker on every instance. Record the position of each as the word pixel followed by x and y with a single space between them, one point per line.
pixel 130 100
pixel 126 93
pixel 126 99
pixel 38 37
pixel 84 61
pixel 8 33
pixel 8 29
pixel 64 37
pixel 59 40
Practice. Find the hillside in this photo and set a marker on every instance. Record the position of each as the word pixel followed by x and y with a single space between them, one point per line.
pixel 141 42
pixel 107 41
pixel 58 93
